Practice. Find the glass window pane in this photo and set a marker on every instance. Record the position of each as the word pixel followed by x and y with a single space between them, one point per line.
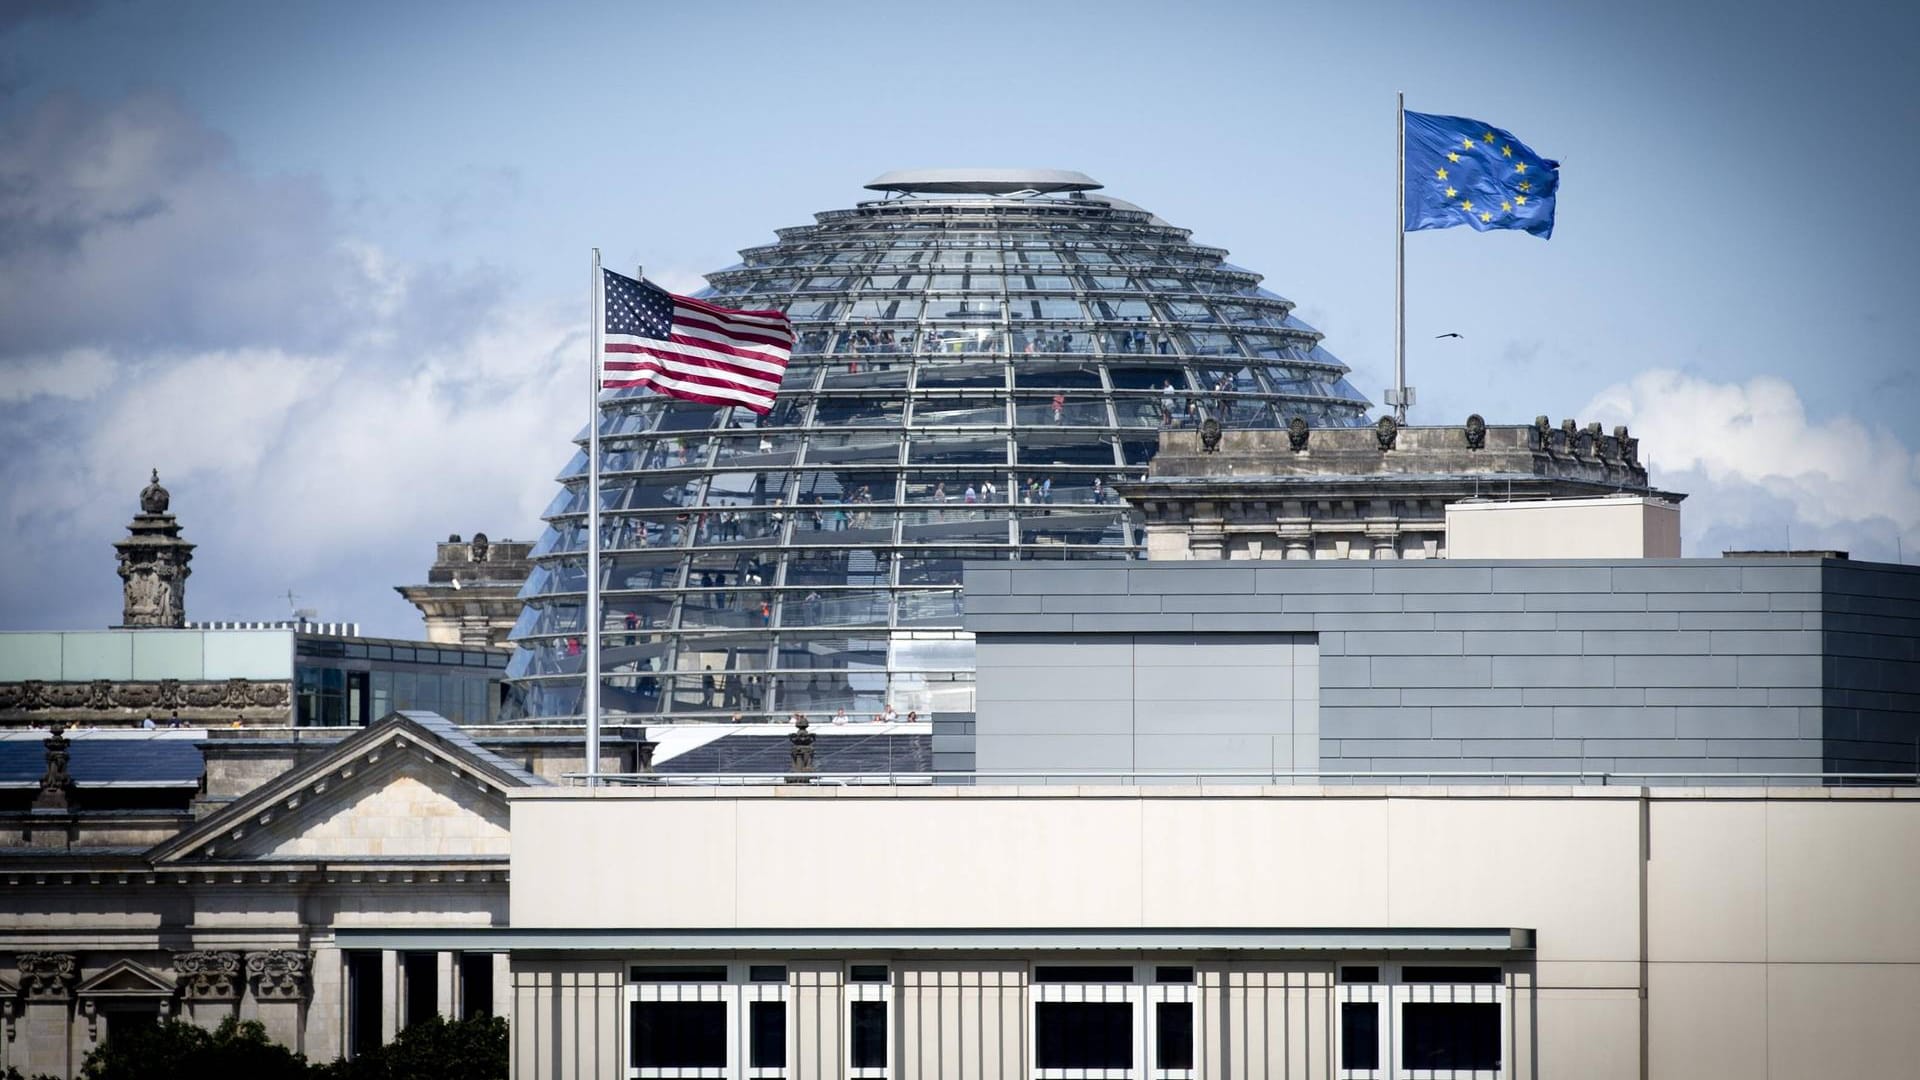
pixel 869 1031
pixel 1450 1035
pixel 679 1034
pixel 767 1035
pixel 1359 1035
pixel 1083 1035
pixel 1173 1035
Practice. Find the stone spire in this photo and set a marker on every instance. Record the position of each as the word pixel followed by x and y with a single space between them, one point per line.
pixel 153 564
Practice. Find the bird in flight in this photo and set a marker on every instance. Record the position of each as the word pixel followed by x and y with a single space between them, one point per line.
pixel 1437 337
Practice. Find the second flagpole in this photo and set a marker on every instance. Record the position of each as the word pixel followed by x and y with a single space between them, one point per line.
pixel 1399 397
pixel 596 323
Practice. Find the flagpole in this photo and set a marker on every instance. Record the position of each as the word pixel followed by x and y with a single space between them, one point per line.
pixel 595 325
pixel 1399 402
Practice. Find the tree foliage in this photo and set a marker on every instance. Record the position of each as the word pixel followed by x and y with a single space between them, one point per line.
pixel 177 1050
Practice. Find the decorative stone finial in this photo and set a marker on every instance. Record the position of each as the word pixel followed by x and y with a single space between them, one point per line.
pixel 153 497
pixel 153 564
pixel 1297 434
pixel 479 547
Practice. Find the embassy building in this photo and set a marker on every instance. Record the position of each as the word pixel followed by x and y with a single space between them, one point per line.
pixel 980 356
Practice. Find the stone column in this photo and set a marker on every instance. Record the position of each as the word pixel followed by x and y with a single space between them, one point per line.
pixel 502 985
pixel 389 995
pixel 47 980
pixel 445 976
pixel 209 984
pixel 326 1027
pixel 277 979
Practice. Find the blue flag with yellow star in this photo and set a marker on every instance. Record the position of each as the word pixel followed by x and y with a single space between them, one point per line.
pixel 1464 172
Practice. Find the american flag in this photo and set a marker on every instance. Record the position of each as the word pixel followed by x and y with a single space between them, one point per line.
pixel 691 349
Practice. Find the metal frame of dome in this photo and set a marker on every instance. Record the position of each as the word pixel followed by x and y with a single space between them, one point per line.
pixel 983 181
pixel 971 374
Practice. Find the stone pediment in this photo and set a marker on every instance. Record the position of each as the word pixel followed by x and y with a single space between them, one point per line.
pixel 123 979
pixel 401 790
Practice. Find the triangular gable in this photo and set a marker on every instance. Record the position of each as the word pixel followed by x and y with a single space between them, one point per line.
pixel 398 770
pixel 123 979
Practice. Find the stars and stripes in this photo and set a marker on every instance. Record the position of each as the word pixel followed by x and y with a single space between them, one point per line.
pixel 690 349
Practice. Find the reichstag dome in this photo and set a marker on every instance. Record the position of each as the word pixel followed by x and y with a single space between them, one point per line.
pixel 980 355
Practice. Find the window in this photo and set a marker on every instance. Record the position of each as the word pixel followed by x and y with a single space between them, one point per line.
pixel 1166 974
pixel 1082 974
pixel 420 973
pixel 767 1038
pixel 1083 1035
pixel 364 1002
pixel 476 985
pixel 869 1035
pixel 1173 1035
pixel 716 973
pixel 1369 973
pixel 1359 1035
pixel 775 973
pixel 1450 1035
pixel 1482 976
pixel 869 1026
pixel 679 1034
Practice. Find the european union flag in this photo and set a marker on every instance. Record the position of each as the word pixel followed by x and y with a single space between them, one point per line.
pixel 1464 172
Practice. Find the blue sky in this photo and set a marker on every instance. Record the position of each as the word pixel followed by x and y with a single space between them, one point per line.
pixel 323 264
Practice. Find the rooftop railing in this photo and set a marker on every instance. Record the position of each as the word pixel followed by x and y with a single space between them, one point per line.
pixel 1273 778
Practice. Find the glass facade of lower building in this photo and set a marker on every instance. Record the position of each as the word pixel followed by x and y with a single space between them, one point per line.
pixel 980 355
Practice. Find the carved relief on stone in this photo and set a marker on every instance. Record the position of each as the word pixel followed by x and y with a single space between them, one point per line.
pixel 48 976
pixel 1476 432
pixel 56 784
pixel 1297 434
pixel 1543 432
pixel 278 974
pixel 208 975
pixel 1570 436
pixel 1386 432
pixel 1629 447
pixel 1210 436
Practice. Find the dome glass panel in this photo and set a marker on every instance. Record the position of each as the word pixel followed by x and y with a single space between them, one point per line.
pixel 976 362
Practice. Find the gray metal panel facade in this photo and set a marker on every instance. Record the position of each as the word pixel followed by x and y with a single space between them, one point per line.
pixel 1683 665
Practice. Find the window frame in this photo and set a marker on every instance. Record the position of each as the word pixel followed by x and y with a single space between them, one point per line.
pixel 1391 994
pixel 868 992
pixel 737 994
pixel 1133 994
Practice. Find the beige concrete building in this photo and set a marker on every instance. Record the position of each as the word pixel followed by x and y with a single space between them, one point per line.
pixel 1180 933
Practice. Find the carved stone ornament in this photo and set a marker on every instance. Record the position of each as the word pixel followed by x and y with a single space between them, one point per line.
pixel 208 975
pixel 479 547
pixel 1629 446
pixel 278 974
pixel 153 497
pixel 1570 436
pixel 1297 434
pixel 802 746
pixel 1476 432
pixel 102 695
pixel 1543 430
pixel 48 976
pixel 1386 432
pixel 56 784
pixel 1210 436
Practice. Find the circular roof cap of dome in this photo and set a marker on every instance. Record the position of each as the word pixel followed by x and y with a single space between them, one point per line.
pixel 983 181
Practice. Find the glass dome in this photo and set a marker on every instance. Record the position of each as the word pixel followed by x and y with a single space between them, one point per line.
pixel 980 355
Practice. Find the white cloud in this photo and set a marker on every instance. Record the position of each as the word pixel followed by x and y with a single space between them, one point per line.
pixel 1761 473
pixel 76 375
pixel 322 411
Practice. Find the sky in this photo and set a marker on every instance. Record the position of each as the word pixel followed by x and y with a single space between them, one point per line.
pixel 324 265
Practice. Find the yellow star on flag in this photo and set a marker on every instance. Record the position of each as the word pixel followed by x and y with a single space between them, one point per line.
pixel 1488 136
pixel 1520 200
pixel 1506 206
pixel 1467 205
pixel 1526 185
pixel 1451 193
pixel 1486 216
pixel 1506 151
pixel 1466 144
pixel 1440 174
pixel 1519 166
pixel 1453 157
